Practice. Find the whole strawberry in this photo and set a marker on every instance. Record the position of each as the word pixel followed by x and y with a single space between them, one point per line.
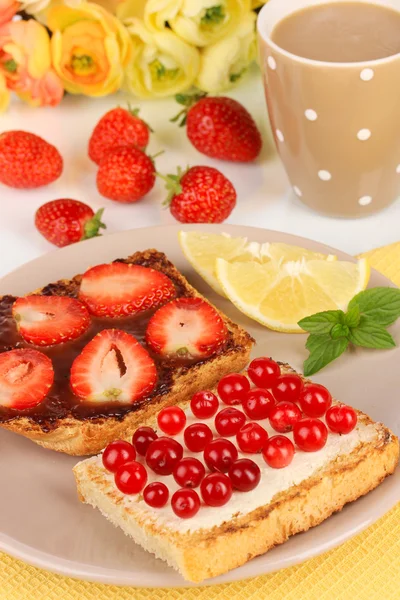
pixel 126 175
pixel 64 221
pixel 200 195
pixel 119 127
pixel 220 127
pixel 28 161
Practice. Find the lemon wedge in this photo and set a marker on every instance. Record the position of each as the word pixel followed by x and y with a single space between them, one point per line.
pixel 278 295
pixel 202 250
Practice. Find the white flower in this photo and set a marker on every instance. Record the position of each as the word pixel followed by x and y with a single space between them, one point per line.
pixel 162 64
pixel 199 22
pixel 225 62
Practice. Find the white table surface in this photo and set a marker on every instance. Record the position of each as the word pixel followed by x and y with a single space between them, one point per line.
pixel 264 196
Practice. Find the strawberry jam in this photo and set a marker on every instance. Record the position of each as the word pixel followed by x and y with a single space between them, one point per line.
pixel 61 402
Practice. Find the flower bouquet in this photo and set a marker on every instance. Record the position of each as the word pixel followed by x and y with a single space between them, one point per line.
pixel 150 48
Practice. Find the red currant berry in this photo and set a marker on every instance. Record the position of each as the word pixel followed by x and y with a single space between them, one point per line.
pixel 264 372
pixel 258 403
pixel 245 474
pixel 220 454
pixel 310 434
pixel 171 420
pixel 116 454
pixel 283 416
pixel 142 439
pixel 216 489
pixel 287 387
pixel 163 454
pixel 341 418
pixel 131 477
pixel 204 405
pixel 251 438
pixel 156 494
pixel 278 452
pixel 232 388
pixel 315 400
pixel 197 436
pixel 185 503
pixel 228 421
pixel 189 472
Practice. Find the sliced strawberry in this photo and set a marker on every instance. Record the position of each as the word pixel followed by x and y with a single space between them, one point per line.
pixel 113 367
pixel 26 375
pixel 186 327
pixel 50 320
pixel 119 289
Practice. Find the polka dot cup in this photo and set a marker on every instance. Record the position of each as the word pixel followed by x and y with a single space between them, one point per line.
pixel 336 125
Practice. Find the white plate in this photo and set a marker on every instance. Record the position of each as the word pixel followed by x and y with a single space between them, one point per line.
pixel 41 520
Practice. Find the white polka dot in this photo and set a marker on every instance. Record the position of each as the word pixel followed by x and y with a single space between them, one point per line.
pixel 271 63
pixel 367 74
pixel 279 135
pixel 324 175
pixel 311 115
pixel 365 200
pixel 364 134
pixel 297 191
pixel 398 169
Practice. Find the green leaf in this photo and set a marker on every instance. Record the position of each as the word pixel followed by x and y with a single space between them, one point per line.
pixel 352 317
pixel 323 350
pixel 369 334
pixel 380 304
pixel 339 331
pixel 91 227
pixel 321 322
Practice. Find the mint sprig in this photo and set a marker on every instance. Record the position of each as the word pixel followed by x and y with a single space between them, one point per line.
pixel 364 324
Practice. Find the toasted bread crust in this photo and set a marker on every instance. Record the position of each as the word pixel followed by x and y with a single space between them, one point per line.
pixel 82 437
pixel 208 553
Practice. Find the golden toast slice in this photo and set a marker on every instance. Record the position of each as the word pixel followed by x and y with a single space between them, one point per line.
pixel 287 501
pixel 66 427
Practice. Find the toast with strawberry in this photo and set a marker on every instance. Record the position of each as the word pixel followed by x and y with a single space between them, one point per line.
pixel 85 361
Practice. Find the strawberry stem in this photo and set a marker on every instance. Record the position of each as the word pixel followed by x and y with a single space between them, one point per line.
pixel 173 184
pixel 159 153
pixel 91 228
pixel 135 113
pixel 186 100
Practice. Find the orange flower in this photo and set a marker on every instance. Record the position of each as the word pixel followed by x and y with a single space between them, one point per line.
pixel 90 48
pixel 8 8
pixel 25 62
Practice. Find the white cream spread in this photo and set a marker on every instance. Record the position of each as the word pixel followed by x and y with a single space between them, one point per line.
pixel 273 481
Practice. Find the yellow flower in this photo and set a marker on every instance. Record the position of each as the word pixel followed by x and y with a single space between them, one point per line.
pixel 25 63
pixel 162 64
pixel 128 9
pixel 258 3
pixel 90 48
pixel 40 8
pixel 4 94
pixel 225 62
pixel 199 22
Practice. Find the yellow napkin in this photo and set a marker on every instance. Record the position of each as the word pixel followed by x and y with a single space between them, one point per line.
pixel 366 567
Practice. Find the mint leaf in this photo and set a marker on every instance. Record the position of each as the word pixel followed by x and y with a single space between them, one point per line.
pixel 339 331
pixel 352 317
pixel 322 322
pixel 323 350
pixel 380 304
pixel 369 334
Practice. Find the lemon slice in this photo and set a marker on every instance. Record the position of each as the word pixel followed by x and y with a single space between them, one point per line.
pixel 279 295
pixel 285 252
pixel 202 250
